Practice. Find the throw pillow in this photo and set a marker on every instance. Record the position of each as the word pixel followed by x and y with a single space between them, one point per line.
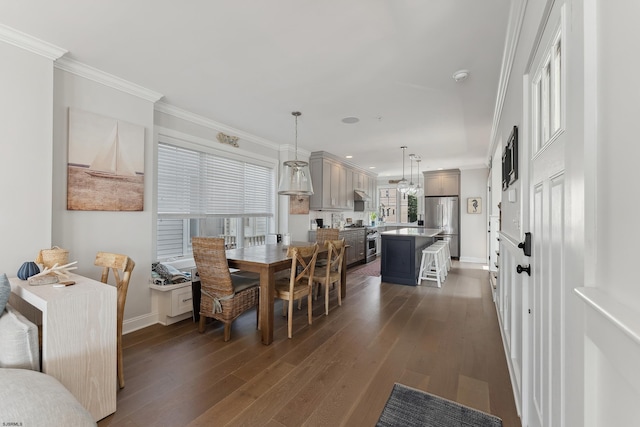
pixel 5 290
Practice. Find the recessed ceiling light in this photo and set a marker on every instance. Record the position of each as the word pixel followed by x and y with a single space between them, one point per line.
pixel 350 120
pixel 349 157
pixel 460 75
pixel 372 167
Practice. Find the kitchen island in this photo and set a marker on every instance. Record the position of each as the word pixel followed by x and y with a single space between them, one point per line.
pixel 402 252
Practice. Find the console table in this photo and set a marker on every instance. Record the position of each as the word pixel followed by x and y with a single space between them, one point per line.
pixel 78 337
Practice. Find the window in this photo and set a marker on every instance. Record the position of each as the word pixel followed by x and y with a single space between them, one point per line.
pixel 396 207
pixel 547 96
pixel 205 194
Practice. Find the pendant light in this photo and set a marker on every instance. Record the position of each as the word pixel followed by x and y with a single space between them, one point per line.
pixel 418 186
pixel 411 191
pixel 403 185
pixel 295 179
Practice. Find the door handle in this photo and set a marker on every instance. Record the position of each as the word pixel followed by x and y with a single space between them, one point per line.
pixel 526 268
pixel 526 245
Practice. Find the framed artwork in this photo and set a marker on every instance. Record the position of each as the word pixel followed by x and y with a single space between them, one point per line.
pixel 105 168
pixel 474 205
pixel 298 205
pixel 510 160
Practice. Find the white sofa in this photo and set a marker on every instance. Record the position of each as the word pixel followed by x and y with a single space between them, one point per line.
pixel 27 396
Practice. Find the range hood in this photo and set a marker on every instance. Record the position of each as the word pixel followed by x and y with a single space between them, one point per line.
pixel 360 196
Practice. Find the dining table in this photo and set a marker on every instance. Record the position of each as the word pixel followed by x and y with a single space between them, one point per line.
pixel 267 260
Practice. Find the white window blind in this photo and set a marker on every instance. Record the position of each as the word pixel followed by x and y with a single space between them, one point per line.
pixel 194 184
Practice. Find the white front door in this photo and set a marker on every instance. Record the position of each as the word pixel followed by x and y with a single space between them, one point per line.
pixel 544 307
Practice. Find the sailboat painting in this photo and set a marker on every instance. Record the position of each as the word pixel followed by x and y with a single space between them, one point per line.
pixel 106 163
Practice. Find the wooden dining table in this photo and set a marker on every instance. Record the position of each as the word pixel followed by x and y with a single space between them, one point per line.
pixel 267 260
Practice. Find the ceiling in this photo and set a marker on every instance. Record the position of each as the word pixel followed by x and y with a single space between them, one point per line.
pixel 248 65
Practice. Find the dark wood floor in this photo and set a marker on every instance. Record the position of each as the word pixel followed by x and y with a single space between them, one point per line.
pixel 338 371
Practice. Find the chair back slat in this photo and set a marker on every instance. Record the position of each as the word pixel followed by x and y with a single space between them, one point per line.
pixel 335 255
pixel 305 258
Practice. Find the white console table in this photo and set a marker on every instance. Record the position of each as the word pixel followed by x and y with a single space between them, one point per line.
pixel 78 337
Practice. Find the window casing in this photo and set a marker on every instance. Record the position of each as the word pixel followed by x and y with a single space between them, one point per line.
pixel 207 194
pixel 395 206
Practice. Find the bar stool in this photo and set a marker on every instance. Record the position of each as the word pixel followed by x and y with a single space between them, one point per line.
pixel 445 255
pixel 431 266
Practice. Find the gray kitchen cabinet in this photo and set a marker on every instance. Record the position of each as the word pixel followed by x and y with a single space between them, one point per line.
pixel 355 239
pixel 355 253
pixel 329 180
pixel 334 182
pixel 442 183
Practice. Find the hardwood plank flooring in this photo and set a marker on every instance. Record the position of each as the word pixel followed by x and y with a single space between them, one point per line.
pixel 337 371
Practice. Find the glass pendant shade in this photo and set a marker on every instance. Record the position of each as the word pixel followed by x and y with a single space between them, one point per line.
pixel 295 178
pixel 403 186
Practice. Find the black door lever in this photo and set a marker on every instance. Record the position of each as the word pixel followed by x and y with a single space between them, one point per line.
pixel 526 245
pixel 526 268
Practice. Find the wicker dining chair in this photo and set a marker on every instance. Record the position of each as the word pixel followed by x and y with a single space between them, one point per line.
pixel 224 296
pixel 324 234
pixel 331 274
pixel 117 263
pixel 299 283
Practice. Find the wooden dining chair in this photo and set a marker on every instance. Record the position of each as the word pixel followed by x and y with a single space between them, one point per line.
pixel 331 274
pixel 322 235
pixel 299 283
pixel 122 266
pixel 224 296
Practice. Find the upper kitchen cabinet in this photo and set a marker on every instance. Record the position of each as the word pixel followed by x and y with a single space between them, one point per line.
pixel 329 180
pixel 442 183
pixel 334 182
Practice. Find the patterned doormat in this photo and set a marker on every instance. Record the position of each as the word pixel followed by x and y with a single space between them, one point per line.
pixel 409 407
pixel 370 269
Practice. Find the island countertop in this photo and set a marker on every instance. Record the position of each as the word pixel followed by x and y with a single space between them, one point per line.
pixel 413 231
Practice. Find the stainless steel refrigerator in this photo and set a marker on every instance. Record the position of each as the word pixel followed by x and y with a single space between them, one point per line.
pixel 444 213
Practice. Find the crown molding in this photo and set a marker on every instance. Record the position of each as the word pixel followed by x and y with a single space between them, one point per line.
pixel 83 70
pixel 179 113
pixel 30 43
pixel 518 8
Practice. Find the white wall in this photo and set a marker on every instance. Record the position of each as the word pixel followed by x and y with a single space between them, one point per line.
pixel 26 91
pixel 85 233
pixel 612 31
pixel 473 227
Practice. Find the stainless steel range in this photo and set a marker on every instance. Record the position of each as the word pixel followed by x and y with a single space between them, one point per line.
pixel 371 243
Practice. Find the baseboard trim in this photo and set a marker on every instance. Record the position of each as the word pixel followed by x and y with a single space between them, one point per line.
pixel 131 325
pixel 473 260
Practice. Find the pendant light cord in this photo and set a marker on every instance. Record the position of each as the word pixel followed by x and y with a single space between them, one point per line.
pixel 296 114
pixel 404 147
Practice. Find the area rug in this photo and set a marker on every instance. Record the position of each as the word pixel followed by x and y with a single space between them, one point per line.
pixel 409 407
pixel 370 269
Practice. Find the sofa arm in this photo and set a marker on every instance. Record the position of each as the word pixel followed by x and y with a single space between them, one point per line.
pixel 29 398
pixel 19 338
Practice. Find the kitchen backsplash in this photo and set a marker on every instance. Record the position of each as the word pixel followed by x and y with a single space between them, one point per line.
pixel 334 219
